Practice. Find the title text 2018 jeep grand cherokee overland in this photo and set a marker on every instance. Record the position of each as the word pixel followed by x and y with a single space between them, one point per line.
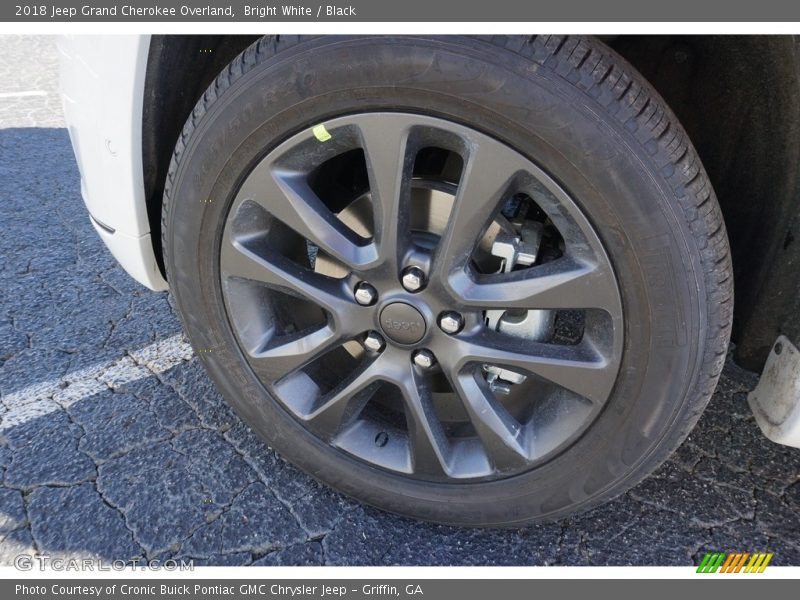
pixel 479 281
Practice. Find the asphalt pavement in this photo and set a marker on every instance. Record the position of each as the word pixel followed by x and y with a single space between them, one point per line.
pixel 115 444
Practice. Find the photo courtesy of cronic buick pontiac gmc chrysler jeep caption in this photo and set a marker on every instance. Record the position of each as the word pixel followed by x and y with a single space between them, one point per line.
pixel 475 280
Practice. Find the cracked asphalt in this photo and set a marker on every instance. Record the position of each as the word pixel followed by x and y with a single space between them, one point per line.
pixel 115 444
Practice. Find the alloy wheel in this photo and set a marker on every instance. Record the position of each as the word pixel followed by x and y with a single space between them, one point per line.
pixel 421 297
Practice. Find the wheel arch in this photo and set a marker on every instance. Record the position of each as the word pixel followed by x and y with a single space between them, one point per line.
pixel 179 69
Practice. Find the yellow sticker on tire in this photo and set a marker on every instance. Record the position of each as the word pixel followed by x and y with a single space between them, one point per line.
pixel 321 133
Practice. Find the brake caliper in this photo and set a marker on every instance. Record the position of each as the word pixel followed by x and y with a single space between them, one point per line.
pixel 517 246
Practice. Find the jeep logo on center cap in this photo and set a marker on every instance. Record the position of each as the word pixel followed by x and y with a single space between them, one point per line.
pixel 402 323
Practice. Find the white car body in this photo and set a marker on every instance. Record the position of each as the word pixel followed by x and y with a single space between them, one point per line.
pixel 102 89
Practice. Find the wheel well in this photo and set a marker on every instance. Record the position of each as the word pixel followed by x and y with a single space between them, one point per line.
pixel 737 96
pixel 739 99
pixel 179 69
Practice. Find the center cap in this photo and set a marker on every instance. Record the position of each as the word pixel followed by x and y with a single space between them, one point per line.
pixel 402 323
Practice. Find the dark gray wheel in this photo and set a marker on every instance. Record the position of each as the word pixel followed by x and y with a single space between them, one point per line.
pixel 493 242
pixel 475 281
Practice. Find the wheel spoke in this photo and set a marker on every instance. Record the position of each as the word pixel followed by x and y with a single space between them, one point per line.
pixel 579 368
pixel 502 436
pixel 430 449
pixel 285 354
pixel 342 402
pixel 487 176
pixel 287 196
pixel 389 165
pixel 278 272
pixel 562 284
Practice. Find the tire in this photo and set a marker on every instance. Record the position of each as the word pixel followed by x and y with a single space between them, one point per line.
pixel 587 126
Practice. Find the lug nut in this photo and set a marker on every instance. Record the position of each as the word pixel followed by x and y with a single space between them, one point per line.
pixel 374 342
pixel 413 279
pixel 365 294
pixel 451 322
pixel 424 358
